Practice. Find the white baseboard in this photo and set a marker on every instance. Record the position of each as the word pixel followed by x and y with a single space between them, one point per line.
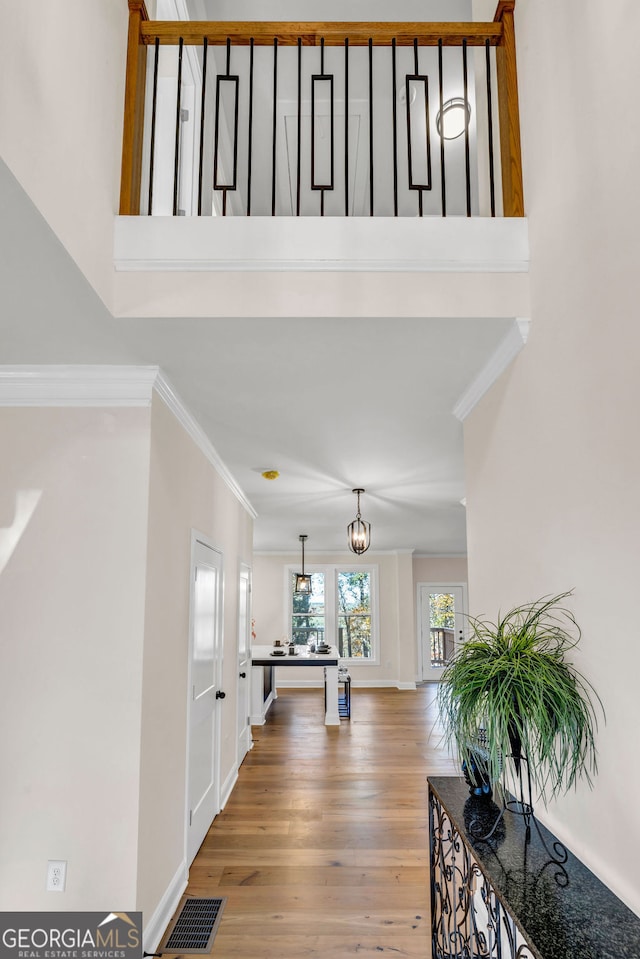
pixel 154 929
pixel 260 718
pixel 227 787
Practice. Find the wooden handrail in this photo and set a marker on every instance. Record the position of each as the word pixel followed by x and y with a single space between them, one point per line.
pixel 263 33
pixel 510 150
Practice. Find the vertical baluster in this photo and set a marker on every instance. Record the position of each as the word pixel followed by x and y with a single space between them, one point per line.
pixel 250 145
pixel 205 51
pixel 443 186
pixel 467 167
pixel 492 185
pixel 299 124
pixel 228 71
pixel 152 147
pixel 176 158
pixel 370 126
pixel 275 98
pixel 322 72
pixel 395 127
pixel 417 73
pixel 346 126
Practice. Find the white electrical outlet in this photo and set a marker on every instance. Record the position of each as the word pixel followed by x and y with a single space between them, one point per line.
pixel 56 875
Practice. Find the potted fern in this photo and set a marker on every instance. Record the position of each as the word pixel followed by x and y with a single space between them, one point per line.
pixel 513 684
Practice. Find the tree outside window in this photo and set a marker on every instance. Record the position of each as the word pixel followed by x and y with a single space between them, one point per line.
pixel 354 614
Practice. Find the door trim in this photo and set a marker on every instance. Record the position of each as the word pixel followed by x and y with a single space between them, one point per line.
pixel 244 571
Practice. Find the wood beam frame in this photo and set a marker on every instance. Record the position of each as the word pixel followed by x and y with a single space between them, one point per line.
pixel 509 111
pixel 133 124
pixel 263 33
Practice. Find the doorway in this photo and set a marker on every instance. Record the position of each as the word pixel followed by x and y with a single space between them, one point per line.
pixel 442 609
pixel 205 671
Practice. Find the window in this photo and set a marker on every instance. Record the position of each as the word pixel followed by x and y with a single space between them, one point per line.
pixel 339 610
pixel 354 614
pixel 308 612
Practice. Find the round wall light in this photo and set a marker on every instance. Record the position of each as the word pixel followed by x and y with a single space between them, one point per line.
pixel 454 118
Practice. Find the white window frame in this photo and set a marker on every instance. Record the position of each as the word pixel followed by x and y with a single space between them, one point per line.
pixel 331 571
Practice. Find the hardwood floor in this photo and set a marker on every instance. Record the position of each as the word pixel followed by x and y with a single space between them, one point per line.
pixel 322 849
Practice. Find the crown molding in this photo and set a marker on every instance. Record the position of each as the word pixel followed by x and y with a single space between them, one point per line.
pixel 108 386
pixel 68 385
pixel 505 353
pixel 191 426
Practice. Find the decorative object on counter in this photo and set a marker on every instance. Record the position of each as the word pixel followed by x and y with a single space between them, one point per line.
pixel 303 580
pixel 474 769
pixel 358 532
pixel 513 680
pixel 253 630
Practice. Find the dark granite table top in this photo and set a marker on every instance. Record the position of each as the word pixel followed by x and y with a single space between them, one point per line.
pixel 564 911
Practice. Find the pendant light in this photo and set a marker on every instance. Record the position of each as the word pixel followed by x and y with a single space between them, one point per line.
pixel 303 580
pixel 359 532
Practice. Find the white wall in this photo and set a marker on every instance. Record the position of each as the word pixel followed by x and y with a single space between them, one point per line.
pixel 185 493
pixel 72 600
pixel 440 569
pixel 553 463
pixel 396 611
pixel 62 71
pixel 96 512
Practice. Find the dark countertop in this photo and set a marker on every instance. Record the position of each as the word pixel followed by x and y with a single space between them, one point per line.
pixel 261 656
pixel 564 912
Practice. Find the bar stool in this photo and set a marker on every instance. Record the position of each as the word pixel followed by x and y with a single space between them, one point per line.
pixel 344 697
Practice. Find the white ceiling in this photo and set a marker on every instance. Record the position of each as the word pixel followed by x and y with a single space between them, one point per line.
pixel 333 404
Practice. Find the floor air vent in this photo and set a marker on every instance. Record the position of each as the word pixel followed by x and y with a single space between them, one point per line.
pixel 195 927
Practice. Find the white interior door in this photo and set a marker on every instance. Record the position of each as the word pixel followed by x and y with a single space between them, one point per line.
pixel 244 662
pixel 203 753
pixel 441 614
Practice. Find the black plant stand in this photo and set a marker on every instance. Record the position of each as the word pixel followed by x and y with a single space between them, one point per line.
pixel 520 805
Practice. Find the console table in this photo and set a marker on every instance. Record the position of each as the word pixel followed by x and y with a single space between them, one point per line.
pixel 513 898
pixel 263 690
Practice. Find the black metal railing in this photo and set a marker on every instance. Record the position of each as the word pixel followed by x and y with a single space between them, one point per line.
pixel 334 119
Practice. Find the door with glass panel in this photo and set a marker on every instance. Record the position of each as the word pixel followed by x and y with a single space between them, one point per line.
pixel 441 614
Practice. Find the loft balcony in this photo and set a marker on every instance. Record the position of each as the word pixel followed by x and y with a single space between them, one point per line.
pixel 321 146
